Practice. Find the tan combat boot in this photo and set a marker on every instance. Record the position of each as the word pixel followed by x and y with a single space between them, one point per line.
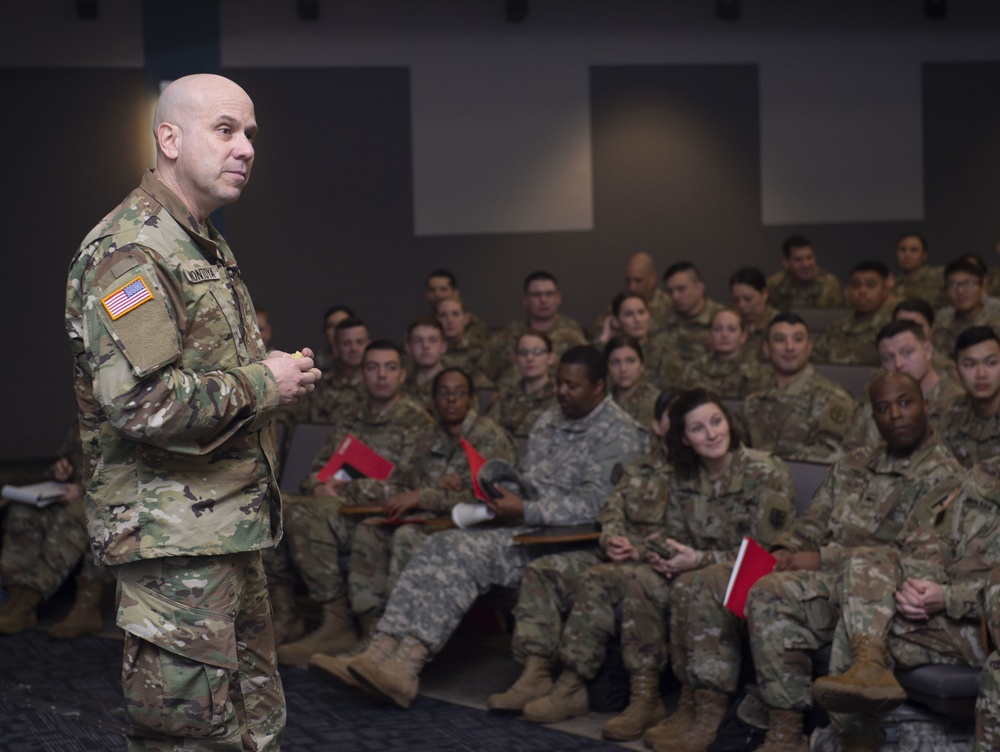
pixel 709 707
pixel 288 623
pixel 645 708
pixel 336 665
pixel 535 681
pixel 566 699
pixel 334 635
pixel 868 686
pixel 396 677
pixel 677 723
pixel 17 613
pixel 785 732
pixel 85 616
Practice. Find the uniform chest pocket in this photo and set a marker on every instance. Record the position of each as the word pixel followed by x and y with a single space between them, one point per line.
pixel 646 503
pixel 216 335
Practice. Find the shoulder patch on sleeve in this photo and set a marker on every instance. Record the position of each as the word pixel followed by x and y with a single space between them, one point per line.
pixel 127 298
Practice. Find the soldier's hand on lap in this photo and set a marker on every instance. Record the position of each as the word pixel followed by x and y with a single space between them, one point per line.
pixel 71 494
pixel 805 560
pixel 508 507
pixel 400 504
pixel 784 559
pixel 450 482
pixel 685 559
pixel 620 548
pixel 296 376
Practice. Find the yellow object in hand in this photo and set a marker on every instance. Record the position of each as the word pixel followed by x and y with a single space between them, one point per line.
pixel 297 354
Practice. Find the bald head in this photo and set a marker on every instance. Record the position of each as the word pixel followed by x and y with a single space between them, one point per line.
pixel 204 127
pixel 640 275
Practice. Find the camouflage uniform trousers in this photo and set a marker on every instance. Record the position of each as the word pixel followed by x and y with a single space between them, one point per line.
pixel 645 612
pixel 988 704
pixel 317 535
pixel 41 546
pixel 200 670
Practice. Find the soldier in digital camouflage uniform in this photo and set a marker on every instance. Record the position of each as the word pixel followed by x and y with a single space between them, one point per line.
pixel 685 334
pixel 850 340
pixel 965 286
pixel 803 284
pixel 517 407
pixel 439 478
pixel 575 455
pixel 988 703
pixel 801 415
pixel 712 506
pixel 872 498
pixel 544 632
pixel 918 280
pixel 541 302
pixel 175 396
pixel 748 287
pixel 927 605
pixel 970 424
pixel 903 346
pixel 731 369
pixel 317 533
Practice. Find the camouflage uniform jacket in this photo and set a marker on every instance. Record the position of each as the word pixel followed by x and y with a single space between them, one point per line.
pixel 822 291
pixel 926 283
pixel 499 364
pixel 392 433
pixel 851 339
pixel 469 354
pixel 637 507
pixel 575 462
pixel 948 325
pixel 870 498
pixel 175 403
pixel 757 333
pixel 962 547
pixel 690 333
pixel 334 395
pixel 516 411
pixel 419 393
pixel 969 437
pixel 641 403
pixel 804 420
pixel 734 378
pixel 754 496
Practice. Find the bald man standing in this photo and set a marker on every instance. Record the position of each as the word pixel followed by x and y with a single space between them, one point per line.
pixel 641 279
pixel 176 392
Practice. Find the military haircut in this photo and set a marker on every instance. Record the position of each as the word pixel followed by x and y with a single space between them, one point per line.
pixel 623 340
pixel 382 345
pixel 350 323
pixel 337 309
pixel 540 274
pixel 452 279
pixel 895 328
pixel 871 266
pixel 620 298
pixel 918 236
pixel 916 305
pixel 454 369
pixel 972 336
pixel 590 357
pixel 682 266
pixel 964 264
pixel 792 242
pixel 424 321
pixel 786 317
pixel 680 454
pixel 750 276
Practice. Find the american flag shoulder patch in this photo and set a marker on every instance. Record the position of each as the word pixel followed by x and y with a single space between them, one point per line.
pixel 126 298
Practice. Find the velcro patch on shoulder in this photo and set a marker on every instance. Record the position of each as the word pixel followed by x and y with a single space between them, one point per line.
pixel 146 334
pixel 127 298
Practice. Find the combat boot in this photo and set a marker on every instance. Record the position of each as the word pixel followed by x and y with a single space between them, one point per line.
pixel 336 665
pixel 17 613
pixel 868 686
pixel 566 699
pixel 288 623
pixel 785 732
pixel 396 677
pixel 535 681
pixel 645 708
pixel 709 707
pixel 334 635
pixel 85 616
pixel 677 723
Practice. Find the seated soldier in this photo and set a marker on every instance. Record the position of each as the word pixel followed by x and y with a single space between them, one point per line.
pixel 921 606
pixel 333 316
pixel 541 302
pixel 801 415
pixel 633 319
pixel 970 425
pixel 803 284
pixel 872 498
pixel 751 298
pixel 425 346
pixel 920 312
pixel 687 328
pixel 851 339
pixel 729 368
pixel 440 284
pixel 626 369
pixel 516 407
pixel 315 532
pixel 544 633
pixel 340 389
pixel 916 279
pixel 988 704
pixel 575 455
pixel 965 286
pixel 464 351
pixel 903 346
pixel 640 279
pixel 438 479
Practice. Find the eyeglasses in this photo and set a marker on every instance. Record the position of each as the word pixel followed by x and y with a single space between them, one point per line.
pixel 536 351
pixel 444 394
pixel 964 284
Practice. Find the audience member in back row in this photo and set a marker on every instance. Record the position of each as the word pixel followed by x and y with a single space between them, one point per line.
pixel 425 346
pixel 970 426
pixel 440 284
pixel 465 351
pixel 688 326
pixel 633 319
pixel 340 388
pixel 965 287
pixel 803 284
pixel 333 316
pixel 728 368
pixel 801 415
pixel 626 368
pixel 748 287
pixel 516 407
pixel 916 278
pixel 640 279
pixel 920 312
pixel 851 339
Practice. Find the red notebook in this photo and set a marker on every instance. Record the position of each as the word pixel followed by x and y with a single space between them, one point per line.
pixel 752 563
pixel 476 461
pixel 357 460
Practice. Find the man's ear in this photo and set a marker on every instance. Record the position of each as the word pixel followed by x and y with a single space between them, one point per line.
pixel 168 138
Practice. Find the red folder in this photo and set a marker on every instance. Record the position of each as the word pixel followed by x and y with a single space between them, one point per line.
pixel 358 459
pixel 476 461
pixel 752 563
